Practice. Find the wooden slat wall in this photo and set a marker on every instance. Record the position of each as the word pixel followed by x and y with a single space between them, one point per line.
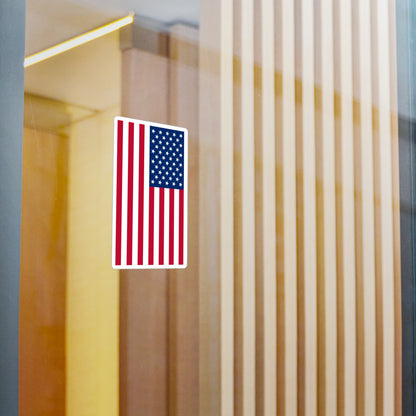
pixel 299 224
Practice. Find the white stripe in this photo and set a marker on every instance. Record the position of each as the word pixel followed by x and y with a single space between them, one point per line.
pixel 146 197
pixel 176 230
pixel 156 230
pixel 135 194
pixel 124 193
pixel 185 203
pixel 166 225
pixel 115 158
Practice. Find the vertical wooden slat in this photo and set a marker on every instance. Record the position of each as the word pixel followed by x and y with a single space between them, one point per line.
pixel 143 294
pixel 344 160
pixel 183 284
pixel 366 335
pixel 326 224
pixel 305 132
pixel 364 215
pixel 244 237
pixel 384 209
pixel 265 209
pixel 216 209
pixel 396 212
pixel 286 210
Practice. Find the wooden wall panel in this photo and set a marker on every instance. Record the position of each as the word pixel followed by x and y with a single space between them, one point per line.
pixel 344 163
pixel 364 210
pixel 244 205
pixel 183 284
pixel 396 211
pixel 144 293
pixel 383 209
pixel 265 209
pixel 42 385
pixel 326 212
pixel 286 248
pixel 306 209
pixel 92 286
pixel 216 272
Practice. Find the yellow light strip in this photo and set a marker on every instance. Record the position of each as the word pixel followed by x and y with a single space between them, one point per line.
pixel 78 40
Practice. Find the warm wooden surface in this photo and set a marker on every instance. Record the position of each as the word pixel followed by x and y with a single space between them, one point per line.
pixel 183 284
pixel 42 383
pixel 143 293
pixel 326 221
pixel 216 250
pixel 92 286
pixel 335 302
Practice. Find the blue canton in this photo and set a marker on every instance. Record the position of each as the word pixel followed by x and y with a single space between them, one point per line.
pixel 167 150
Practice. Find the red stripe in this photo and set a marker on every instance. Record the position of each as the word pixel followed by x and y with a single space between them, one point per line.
pixel 119 189
pixel 171 224
pixel 151 222
pixel 130 196
pixel 141 196
pixel 181 196
pixel 161 224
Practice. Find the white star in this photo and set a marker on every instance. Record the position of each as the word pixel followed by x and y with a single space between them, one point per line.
pixel 167 183
pixel 157 136
pixel 160 182
pixel 153 161
pixel 167 133
pixel 157 156
pixel 174 173
pixel 180 136
pixel 153 171
pixel 153 151
pixel 157 147
pixel 174 134
pixel 153 131
pixel 180 164
pixel 180 184
pixel 157 176
pixel 153 181
pixel 160 131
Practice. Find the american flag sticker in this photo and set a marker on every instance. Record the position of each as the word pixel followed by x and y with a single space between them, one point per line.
pixel 150 195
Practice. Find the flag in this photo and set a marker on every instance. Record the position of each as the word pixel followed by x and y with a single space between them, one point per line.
pixel 150 195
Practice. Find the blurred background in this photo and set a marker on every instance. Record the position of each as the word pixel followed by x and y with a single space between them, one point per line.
pixel 298 189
